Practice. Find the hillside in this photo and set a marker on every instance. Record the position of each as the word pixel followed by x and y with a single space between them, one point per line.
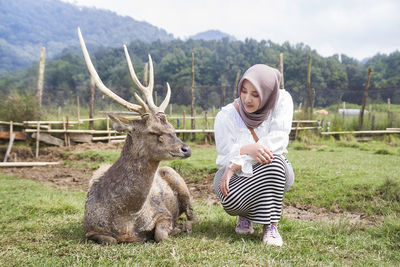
pixel 212 35
pixel 26 25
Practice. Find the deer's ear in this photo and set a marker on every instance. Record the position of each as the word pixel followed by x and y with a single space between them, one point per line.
pixel 121 124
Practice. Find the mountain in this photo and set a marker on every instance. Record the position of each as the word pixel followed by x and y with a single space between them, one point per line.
pixel 26 25
pixel 212 35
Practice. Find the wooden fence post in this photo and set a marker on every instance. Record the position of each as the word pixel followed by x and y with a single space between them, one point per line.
pixel 308 92
pixel 344 111
pixel 37 139
pixel 10 144
pixel 68 137
pixel 108 129
pixel 370 112
pixel 11 127
pixel 206 121
pixel 184 124
pixel 312 102
pixel 39 91
pixel 65 132
pixel 373 122
pixel 78 106
pixel 282 85
pixel 365 99
pixel 335 118
pixel 223 94
pixel 297 130
pixel 236 84
pixel 39 94
pixel 390 119
pixel 91 105
pixel 192 104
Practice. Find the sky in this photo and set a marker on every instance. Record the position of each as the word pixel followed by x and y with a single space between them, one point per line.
pixel 356 28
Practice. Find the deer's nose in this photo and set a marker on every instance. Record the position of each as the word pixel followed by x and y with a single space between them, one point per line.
pixel 185 149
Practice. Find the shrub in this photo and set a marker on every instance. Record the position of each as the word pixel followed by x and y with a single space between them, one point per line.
pixel 19 107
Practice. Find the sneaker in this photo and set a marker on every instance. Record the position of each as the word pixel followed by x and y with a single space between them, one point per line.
pixel 271 236
pixel 244 226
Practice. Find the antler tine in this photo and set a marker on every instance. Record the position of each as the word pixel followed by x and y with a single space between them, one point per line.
pixel 132 107
pixel 165 103
pixel 146 91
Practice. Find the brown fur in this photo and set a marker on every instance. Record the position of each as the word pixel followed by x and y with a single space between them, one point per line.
pixel 132 201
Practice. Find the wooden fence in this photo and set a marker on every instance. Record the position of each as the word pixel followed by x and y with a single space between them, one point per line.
pixel 66 133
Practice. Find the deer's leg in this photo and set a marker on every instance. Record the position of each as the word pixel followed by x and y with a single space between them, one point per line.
pixel 179 186
pixel 163 229
pixel 101 238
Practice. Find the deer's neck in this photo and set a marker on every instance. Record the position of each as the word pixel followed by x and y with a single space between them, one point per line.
pixel 135 174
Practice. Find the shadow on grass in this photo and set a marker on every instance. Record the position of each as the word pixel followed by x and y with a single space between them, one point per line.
pixel 71 231
pixel 212 228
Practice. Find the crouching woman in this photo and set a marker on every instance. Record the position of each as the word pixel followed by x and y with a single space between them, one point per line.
pixel 251 136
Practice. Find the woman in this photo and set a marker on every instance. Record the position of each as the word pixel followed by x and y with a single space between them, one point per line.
pixel 251 136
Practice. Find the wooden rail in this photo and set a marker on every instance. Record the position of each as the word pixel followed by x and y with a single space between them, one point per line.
pixel 363 132
pixel 26 164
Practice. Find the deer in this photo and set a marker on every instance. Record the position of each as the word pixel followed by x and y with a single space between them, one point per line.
pixel 135 200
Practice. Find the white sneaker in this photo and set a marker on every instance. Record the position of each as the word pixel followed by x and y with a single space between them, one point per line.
pixel 271 236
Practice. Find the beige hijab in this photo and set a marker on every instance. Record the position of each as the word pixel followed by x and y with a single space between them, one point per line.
pixel 266 80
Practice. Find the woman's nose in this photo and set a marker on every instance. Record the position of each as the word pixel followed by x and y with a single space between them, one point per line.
pixel 248 98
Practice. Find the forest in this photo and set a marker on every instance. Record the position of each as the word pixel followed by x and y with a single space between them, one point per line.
pixel 216 65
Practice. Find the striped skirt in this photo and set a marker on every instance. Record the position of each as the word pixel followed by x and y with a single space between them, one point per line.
pixel 258 198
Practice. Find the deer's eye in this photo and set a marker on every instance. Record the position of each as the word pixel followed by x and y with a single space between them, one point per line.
pixel 155 133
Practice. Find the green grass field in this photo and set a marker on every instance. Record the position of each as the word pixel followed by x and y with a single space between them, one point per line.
pixel 41 226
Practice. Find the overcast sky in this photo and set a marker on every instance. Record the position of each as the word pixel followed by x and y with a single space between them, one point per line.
pixel 357 28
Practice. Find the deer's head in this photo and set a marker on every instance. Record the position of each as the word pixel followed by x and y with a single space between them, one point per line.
pixel 157 136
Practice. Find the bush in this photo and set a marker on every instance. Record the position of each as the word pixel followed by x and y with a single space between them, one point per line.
pixel 19 107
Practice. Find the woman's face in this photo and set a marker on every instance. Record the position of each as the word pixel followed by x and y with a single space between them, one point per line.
pixel 250 97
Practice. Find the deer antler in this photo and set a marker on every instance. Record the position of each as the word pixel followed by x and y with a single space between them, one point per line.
pixel 142 109
pixel 147 91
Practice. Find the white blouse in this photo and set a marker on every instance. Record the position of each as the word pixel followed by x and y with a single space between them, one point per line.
pixel 231 134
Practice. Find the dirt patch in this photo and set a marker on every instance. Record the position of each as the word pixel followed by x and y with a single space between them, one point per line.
pixel 314 214
pixel 60 176
pixel 19 154
pixel 203 192
pixel 77 179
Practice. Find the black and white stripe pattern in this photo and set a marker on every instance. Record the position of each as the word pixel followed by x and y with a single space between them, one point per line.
pixel 257 198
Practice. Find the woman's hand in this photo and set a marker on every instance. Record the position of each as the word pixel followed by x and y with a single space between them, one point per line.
pixel 226 177
pixel 258 152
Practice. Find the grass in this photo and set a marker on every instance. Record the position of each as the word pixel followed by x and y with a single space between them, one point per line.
pixel 91 159
pixel 201 164
pixel 381 121
pixel 345 175
pixel 41 226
